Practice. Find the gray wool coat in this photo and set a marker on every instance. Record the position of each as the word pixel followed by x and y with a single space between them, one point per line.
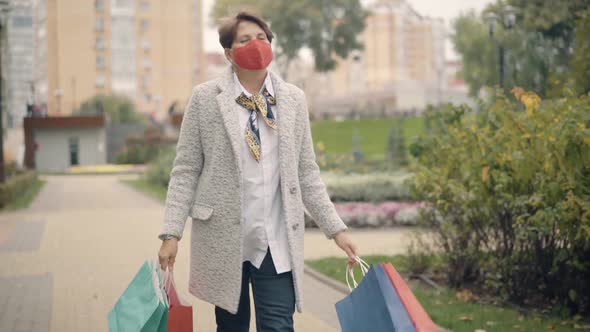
pixel 205 184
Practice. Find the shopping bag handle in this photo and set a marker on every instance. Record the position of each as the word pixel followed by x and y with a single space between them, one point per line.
pixel 350 272
pixel 167 279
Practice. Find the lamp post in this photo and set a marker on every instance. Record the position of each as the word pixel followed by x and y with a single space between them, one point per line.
pixel 506 17
pixel 4 9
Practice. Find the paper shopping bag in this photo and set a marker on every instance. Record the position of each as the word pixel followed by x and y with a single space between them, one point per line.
pixel 373 306
pixel 142 306
pixel 180 314
pixel 418 315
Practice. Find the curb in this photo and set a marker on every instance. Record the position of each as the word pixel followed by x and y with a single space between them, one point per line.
pixel 340 287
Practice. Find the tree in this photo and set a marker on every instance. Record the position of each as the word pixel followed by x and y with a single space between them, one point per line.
pixel 327 27
pixel 530 58
pixel 554 19
pixel 120 109
pixel 537 48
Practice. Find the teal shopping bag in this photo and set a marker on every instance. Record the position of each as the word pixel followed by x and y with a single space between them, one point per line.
pixel 143 306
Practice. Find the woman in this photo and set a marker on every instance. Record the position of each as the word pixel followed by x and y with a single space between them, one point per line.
pixel 244 171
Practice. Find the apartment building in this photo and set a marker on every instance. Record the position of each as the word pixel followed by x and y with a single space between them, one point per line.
pixel 17 61
pixel 148 50
pixel 402 63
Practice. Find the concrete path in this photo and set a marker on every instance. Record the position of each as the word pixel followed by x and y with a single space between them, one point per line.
pixel 67 258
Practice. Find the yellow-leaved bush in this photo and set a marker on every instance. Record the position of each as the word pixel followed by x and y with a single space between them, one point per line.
pixel 509 191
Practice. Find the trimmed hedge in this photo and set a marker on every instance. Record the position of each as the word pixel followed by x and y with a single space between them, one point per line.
pixel 373 187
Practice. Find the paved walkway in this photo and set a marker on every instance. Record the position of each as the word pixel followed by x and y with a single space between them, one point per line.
pixel 66 259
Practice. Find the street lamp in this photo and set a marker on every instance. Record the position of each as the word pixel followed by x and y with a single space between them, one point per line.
pixel 506 17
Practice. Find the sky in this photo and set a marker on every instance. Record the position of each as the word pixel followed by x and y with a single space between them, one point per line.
pixel 445 9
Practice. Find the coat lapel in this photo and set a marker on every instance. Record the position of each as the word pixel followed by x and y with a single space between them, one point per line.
pixel 286 118
pixel 226 103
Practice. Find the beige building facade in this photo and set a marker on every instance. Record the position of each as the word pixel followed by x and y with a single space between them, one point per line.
pixel 148 50
pixel 401 66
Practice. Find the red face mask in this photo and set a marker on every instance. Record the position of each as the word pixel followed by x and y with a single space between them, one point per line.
pixel 255 55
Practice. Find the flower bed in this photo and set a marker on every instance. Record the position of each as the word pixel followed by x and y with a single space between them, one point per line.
pixel 386 214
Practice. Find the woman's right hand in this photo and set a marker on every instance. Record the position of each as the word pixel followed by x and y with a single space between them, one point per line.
pixel 167 254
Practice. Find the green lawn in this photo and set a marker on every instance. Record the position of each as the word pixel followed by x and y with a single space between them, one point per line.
pixel 449 312
pixel 373 133
pixel 153 190
pixel 25 200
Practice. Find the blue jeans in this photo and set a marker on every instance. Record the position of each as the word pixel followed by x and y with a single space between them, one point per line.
pixel 274 300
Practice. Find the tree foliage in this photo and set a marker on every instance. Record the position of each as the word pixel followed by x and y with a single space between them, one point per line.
pixel 119 109
pixel 538 48
pixel 327 27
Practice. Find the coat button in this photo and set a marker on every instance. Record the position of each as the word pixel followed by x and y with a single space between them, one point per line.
pixel 294 227
pixel 293 190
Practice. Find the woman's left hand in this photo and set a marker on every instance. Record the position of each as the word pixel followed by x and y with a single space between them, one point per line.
pixel 345 243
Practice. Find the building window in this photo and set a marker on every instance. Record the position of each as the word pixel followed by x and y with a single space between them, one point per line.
pixel 100 62
pixel 41 32
pixel 144 25
pixel 148 98
pixel 100 81
pixel 124 3
pixel 99 5
pixel 99 43
pixel 144 5
pixel 99 24
pixel 147 64
pixel 22 21
pixel 74 148
pixel 145 44
pixel 145 82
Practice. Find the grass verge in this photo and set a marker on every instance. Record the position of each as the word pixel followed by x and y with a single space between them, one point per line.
pixel 25 200
pixel 373 133
pixel 448 311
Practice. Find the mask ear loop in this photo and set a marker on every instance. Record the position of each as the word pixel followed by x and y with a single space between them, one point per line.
pixel 229 58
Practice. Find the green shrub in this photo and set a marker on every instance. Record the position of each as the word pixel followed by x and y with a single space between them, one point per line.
pixel 16 186
pixel 512 189
pixel 158 171
pixel 138 154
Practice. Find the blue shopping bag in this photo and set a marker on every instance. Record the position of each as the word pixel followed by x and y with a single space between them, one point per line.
pixel 373 305
pixel 143 306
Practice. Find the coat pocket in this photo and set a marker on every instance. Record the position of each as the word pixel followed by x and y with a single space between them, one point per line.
pixel 201 212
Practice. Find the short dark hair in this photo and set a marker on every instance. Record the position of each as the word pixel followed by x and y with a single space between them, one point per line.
pixel 229 26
